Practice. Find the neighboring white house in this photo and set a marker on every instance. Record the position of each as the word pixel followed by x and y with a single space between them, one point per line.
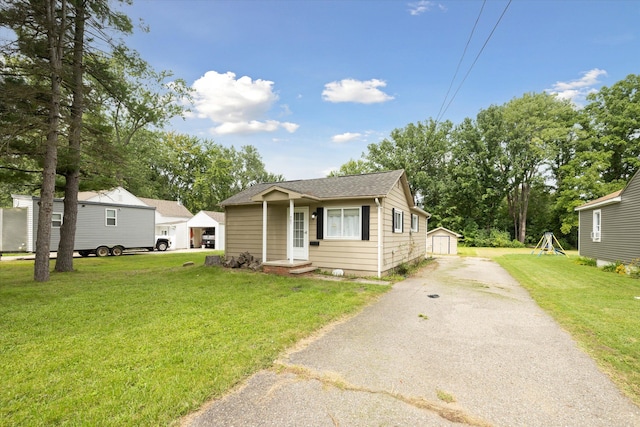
pixel 207 223
pixel 171 216
pixel 441 241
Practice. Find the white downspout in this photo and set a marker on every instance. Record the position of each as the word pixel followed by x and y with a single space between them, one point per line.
pixel 379 238
pixel 290 241
pixel 264 231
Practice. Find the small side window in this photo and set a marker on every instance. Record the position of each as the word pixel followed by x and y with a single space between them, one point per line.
pixel 56 220
pixel 111 218
pixel 397 220
pixel 597 226
pixel 414 223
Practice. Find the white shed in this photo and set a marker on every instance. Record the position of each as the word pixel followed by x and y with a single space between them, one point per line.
pixel 207 223
pixel 441 241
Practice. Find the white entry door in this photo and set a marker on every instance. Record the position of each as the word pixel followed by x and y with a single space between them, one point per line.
pixel 300 233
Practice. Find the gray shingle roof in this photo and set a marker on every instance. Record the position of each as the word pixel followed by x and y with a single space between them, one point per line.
pixel 350 186
pixel 168 207
pixel 217 216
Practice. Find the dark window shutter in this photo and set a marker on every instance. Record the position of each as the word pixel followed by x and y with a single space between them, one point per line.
pixel 319 223
pixel 393 220
pixel 402 222
pixel 365 222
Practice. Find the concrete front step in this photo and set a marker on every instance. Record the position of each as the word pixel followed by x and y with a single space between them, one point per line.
pixel 303 270
pixel 285 268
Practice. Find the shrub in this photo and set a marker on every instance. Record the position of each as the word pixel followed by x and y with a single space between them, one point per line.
pixel 614 267
pixel 587 261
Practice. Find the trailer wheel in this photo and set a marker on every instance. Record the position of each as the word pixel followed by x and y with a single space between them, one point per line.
pixel 102 251
pixel 116 250
pixel 84 254
pixel 162 246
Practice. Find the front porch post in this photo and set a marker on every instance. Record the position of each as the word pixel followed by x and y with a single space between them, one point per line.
pixel 290 241
pixel 264 231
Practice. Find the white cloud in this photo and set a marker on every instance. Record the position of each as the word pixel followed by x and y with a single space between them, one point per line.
pixel 577 90
pixel 350 90
pixel 236 105
pixel 345 137
pixel 254 126
pixel 422 6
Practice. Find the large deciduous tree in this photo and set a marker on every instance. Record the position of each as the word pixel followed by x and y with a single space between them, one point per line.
pixel 535 126
pixel 422 150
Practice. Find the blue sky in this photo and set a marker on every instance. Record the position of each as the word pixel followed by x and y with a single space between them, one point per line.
pixel 311 83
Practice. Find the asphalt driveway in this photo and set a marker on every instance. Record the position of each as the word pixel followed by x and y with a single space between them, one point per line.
pixel 461 343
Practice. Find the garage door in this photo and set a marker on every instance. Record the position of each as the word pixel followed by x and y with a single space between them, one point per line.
pixel 441 245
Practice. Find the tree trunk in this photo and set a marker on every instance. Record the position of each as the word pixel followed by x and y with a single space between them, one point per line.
pixel 64 261
pixel 55 33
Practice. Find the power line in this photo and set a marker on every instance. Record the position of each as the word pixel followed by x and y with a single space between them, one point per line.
pixel 475 60
pixel 461 58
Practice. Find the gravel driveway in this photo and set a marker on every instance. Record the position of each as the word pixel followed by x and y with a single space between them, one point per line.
pixel 481 353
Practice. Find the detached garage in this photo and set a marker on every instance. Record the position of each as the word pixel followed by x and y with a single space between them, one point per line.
pixel 441 241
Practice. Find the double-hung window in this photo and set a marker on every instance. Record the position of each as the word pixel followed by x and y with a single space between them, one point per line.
pixel 342 223
pixel 111 217
pixel 56 220
pixel 597 225
pixel 398 217
pixel 414 223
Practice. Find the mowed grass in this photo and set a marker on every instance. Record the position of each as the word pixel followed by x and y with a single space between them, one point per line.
pixel 141 340
pixel 599 309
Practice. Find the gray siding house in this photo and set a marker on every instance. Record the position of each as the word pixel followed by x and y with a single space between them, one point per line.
pixel 99 225
pixel 609 227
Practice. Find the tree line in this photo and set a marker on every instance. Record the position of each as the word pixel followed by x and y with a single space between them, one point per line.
pixel 81 111
pixel 521 167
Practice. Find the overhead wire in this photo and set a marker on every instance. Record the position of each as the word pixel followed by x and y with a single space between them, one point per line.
pixel 464 52
pixel 474 61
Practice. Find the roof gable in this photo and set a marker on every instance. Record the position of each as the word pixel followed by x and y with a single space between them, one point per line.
pixel 446 230
pixel 615 197
pixel 330 188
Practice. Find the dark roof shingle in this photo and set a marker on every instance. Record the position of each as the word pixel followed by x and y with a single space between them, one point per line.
pixel 350 186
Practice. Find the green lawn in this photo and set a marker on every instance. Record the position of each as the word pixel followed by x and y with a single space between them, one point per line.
pixel 140 340
pixel 599 309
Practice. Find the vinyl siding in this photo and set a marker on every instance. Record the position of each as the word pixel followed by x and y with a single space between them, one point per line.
pixel 402 247
pixel 620 228
pixel 355 256
pixel 243 231
pixel 134 229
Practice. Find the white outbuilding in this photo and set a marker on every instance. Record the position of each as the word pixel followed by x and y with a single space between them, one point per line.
pixel 207 229
pixel 441 241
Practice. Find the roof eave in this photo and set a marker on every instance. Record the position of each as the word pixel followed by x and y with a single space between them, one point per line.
pixel 587 206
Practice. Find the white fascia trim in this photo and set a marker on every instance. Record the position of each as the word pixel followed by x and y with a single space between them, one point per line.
pixel 602 203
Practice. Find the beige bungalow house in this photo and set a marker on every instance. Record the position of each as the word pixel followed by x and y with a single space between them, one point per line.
pixel 360 224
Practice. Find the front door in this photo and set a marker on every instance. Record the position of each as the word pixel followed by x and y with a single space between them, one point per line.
pixel 300 233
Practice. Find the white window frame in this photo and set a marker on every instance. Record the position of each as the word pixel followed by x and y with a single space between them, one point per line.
pixel 398 219
pixel 596 228
pixel 114 217
pixel 56 223
pixel 415 223
pixel 328 235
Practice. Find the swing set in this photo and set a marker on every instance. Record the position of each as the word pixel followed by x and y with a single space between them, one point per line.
pixel 546 245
